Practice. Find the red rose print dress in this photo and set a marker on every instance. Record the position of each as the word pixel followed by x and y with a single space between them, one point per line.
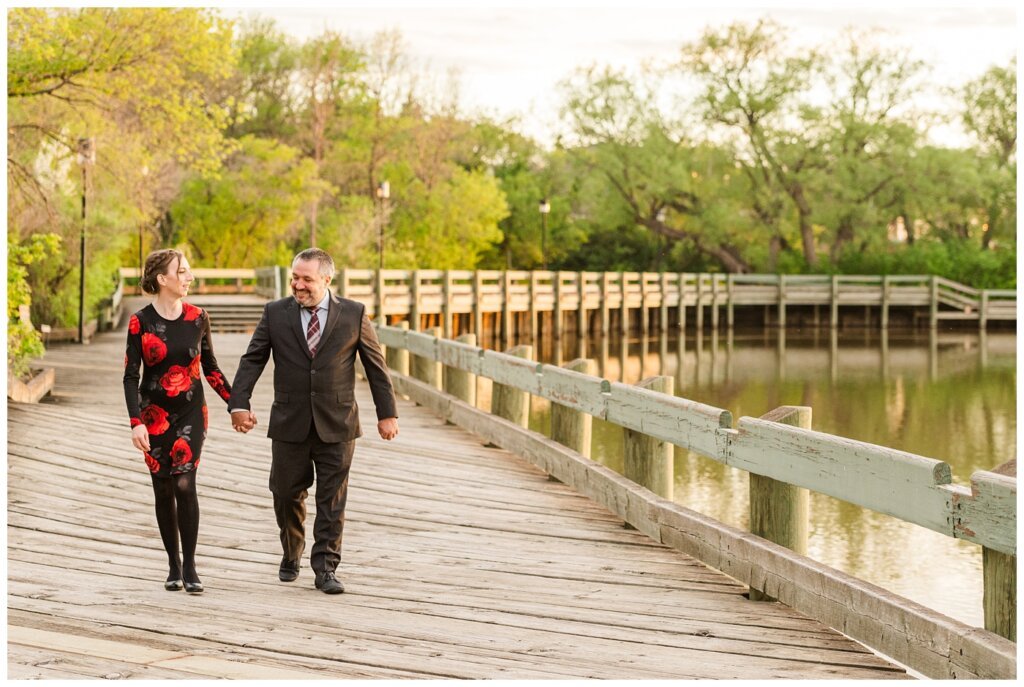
pixel 169 401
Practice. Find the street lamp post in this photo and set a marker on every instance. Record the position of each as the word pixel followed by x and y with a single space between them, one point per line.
pixel 383 193
pixel 545 208
pixel 86 157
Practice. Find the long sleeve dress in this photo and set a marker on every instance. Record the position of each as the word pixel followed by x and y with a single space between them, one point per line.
pixel 170 401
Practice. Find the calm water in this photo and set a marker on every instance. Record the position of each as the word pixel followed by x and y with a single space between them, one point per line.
pixel 951 397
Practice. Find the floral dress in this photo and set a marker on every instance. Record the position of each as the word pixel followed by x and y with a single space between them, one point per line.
pixel 170 400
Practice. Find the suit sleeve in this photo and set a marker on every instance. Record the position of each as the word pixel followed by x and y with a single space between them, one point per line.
pixel 250 367
pixel 376 370
pixel 209 361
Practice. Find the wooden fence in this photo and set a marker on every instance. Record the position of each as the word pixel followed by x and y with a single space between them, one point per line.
pixel 783 458
pixel 592 300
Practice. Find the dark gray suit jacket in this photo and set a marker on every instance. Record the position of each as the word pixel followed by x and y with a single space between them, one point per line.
pixel 321 388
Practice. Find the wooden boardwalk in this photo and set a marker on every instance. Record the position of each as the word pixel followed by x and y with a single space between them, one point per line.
pixel 460 561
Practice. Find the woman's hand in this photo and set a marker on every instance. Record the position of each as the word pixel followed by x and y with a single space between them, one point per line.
pixel 140 437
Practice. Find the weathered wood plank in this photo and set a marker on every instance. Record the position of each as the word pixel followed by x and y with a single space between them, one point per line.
pixel 886 480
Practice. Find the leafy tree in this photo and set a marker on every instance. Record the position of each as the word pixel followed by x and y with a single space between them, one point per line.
pixel 252 214
pixel 644 163
pixel 138 81
pixel 23 342
pixel 990 113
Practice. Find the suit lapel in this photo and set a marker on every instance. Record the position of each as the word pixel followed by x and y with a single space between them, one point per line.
pixel 333 315
pixel 296 318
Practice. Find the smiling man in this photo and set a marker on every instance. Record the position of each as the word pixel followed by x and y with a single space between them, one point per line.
pixel 314 337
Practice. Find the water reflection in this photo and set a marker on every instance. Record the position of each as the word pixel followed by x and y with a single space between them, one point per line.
pixel 948 396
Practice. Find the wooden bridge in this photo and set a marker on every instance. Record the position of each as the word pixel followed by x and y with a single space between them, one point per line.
pixel 516 303
pixel 461 559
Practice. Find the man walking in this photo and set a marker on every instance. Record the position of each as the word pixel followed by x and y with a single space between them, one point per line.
pixel 314 421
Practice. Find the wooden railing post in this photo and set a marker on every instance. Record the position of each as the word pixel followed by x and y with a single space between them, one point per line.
pixel 446 304
pixel 534 330
pixel 415 306
pixel 506 306
pixel 379 288
pixel 509 402
pixel 779 511
pixel 581 311
pixel 425 369
pixel 663 308
pixel 714 302
pixel 646 460
pixel 624 305
pixel 682 301
pixel 605 317
pixel 782 301
pixel 885 302
pixel 700 303
pixel 983 310
pixel 556 309
pixel 730 310
pixel 460 383
pixel 933 310
pixel 571 427
pixel 833 320
pixel 999 571
pixel 398 358
pixel 478 312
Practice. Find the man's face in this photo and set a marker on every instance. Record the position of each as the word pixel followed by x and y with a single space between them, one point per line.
pixel 308 285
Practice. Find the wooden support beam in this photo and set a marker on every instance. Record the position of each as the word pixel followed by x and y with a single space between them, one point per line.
pixel 460 383
pixel 569 426
pixel 425 369
pixel 397 357
pixel 779 511
pixel 509 402
pixel 646 460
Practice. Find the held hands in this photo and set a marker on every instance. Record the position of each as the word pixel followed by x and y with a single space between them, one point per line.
pixel 243 420
pixel 140 437
pixel 388 428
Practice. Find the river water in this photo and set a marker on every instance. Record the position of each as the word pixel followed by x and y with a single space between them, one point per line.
pixel 950 396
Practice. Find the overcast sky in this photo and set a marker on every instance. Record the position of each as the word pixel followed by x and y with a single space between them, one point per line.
pixel 509 60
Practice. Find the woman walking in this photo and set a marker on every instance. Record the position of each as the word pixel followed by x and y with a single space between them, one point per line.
pixel 170 340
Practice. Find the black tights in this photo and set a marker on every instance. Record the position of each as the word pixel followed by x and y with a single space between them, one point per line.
pixel 177 511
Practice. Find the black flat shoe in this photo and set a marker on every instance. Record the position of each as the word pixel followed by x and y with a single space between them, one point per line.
pixel 288 571
pixel 328 583
pixel 173 585
pixel 194 587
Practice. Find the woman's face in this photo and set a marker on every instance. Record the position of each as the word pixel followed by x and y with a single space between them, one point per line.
pixel 176 280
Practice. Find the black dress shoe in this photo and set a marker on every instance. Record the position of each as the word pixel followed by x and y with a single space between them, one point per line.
pixel 328 583
pixel 194 587
pixel 172 585
pixel 289 570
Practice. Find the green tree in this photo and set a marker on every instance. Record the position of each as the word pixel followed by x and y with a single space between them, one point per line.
pixel 990 113
pixel 136 80
pixel 252 213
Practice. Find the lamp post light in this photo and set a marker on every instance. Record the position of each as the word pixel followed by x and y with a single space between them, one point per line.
pixel 86 158
pixel 544 208
pixel 383 193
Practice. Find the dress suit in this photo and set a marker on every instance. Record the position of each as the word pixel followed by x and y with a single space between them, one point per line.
pixel 314 420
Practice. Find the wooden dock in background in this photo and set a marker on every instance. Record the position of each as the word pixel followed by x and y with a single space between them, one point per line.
pixel 460 561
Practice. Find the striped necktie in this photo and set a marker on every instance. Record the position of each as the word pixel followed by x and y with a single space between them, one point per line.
pixel 313 330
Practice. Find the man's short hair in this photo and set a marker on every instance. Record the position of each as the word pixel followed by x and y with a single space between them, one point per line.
pixel 325 260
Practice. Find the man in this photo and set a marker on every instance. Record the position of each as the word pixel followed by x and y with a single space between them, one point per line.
pixel 314 421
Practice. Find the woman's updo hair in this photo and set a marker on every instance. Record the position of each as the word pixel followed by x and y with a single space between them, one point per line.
pixel 157 263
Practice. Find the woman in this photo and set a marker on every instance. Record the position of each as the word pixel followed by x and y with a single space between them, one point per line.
pixel 170 340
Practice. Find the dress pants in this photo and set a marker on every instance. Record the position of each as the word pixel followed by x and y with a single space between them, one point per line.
pixel 292 472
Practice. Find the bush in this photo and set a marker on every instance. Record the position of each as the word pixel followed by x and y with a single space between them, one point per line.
pixel 23 342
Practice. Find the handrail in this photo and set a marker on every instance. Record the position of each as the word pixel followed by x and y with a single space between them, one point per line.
pixel 909 487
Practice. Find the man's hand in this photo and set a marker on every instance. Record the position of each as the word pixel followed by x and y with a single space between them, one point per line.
pixel 243 420
pixel 388 428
